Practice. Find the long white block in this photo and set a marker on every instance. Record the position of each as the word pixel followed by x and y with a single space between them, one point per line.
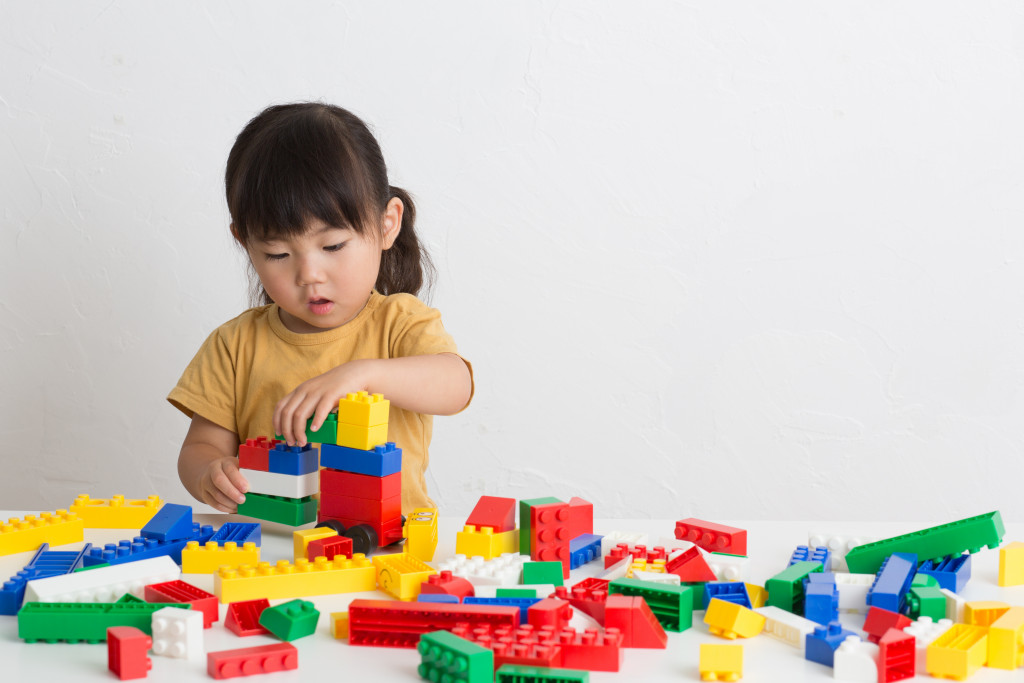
pixel 786 626
pixel 504 570
pixel 839 544
pixel 105 584
pixel 285 485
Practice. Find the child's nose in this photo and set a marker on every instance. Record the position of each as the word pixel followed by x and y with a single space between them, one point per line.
pixel 310 272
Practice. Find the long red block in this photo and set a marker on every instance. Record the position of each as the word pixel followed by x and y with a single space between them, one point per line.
pixel 552 612
pixel 639 552
pixel 523 646
pixel 386 623
pixel 244 617
pixel 715 538
pixel 179 591
pixel 497 513
pixel 249 661
pixel 254 454
pixel 634 618
pixel 550 534
pixel 127 652
pixel 353 485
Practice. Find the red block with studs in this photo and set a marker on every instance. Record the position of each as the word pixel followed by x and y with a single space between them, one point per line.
pixel 448 584
pixel 127 652
pixel 497 513
pixel 552 612
pixel 588 596
pixel 550 534
pixel 338 482
pixel 329 547
pixel 715 538
pixel 249 661
pixel 244 617
pixel 254 454
pixel 881 620
pixel 179 591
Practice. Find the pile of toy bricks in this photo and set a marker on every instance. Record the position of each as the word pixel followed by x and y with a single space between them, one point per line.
pixel 282 481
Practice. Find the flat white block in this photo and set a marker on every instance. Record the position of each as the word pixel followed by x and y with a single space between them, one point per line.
pixel 786 626
pixel 105 584
pixel 285 485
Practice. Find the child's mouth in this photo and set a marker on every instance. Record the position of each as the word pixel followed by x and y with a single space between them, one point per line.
pixel 320 306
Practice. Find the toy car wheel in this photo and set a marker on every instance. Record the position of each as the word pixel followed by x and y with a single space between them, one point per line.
pixel 332 524
pixel 364 538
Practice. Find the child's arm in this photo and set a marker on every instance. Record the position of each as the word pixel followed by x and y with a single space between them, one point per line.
pixel 208 467
pixel 437 384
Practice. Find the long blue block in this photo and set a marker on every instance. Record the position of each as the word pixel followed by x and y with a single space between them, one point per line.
pixel 892 582
pixel 952 572
pixel 140 548
pixel 583 549
pixel 293 460
pixel 238 532
pixel 522 603
pixel 44 563
pixel 730 591
pixel 171 523
pixel 380 462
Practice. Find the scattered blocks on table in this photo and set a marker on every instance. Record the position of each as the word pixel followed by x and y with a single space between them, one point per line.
pixel 55 528
pixel 721 662
pixel 958 653
pixel 172 522
pixel 115 513
pixel 243 617
pixel 206 559
pixel 127 649
pixel 447 657
pixel 290 620
pixel 177 633
pixel 730 620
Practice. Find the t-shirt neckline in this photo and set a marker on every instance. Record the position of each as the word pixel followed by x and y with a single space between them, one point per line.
pixel 300 339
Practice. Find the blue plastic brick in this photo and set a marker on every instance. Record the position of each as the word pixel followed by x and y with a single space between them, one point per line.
pixel 821 598
pixel 952 573
pixel 892 582
pixel 730 591
pixel 238 532
pixel 438 597
pixel 44 563
pixel 522 603
pixel 140 548
pixel 293 460
pixel 821 645
pixel 583 549
pixel 818 554
pixel 171 523
pixel 380 462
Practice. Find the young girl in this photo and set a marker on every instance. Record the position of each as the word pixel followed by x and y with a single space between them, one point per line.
pixel 334 248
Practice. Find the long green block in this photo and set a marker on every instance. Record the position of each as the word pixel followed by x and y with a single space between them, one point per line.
pixel 514 673
pixel 290 511
pixel 49 622
pixel 328 432
pixel 671 605
pixel 447 657
pixel 926 601
pixel 290 620
pixel 524 520
pixel 970 534
pixel 786 589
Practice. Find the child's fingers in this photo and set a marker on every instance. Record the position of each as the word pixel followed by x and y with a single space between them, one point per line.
pixel 224 485
pixel 323 409
pixel 299 417
pixel 236 477
pixel 217 500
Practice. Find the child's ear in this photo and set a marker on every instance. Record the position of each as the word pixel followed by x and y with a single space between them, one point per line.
pixel 392 222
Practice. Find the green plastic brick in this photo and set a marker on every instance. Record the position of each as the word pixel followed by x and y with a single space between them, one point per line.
pixel 924 580
pixel 50 622
pixel 543 572
pixel 290 511
pixel 290 620
pixel 514 673
pixel 786 589
pixel 92 566
pixel 926 601
pixel 671 605
pixel 130 599
pixel 518 592
pixel 971 534
pixel 524 520
pixel 697 591
pixel 448 658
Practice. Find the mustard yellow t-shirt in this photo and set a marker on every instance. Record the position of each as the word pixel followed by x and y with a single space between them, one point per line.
pixel 248 364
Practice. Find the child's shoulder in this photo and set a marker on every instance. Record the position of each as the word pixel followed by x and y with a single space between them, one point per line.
pixel 245 323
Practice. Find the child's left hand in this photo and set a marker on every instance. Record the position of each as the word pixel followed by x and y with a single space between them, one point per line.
pixel 316 397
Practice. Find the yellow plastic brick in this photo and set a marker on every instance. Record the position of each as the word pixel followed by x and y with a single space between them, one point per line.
pixel 729 620
pixel 721 662
pixel 302 537
pixel 421 533
pixel 339 625
pixel 55 528
pixel 757 594
pixel 206 559
pixel 361 438
pixel 401 575
pixel 115 513
pixel 483 542
pixel 304 578
pixel 364 410
pixel 984 612
pixel 958 653
pixel 1006 640
pixel 1011 564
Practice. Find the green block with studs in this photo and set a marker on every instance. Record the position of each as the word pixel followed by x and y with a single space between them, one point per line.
pixel 290 620
pixel 447 657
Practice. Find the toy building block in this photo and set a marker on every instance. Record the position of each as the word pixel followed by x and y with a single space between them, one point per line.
pixel 505 570
pixel 619 570
pixel 377 461
pixel 690 566
pixel 293 460
pixel 672 605
pixel 1006 640
pixel 497 513
pixel 447 657
pixel 514 673
pixel 304 578
pixel 543 572
pixel 400 575
pixel 786 626
pixel 329 547
pixel 483 542
pixel 856 660
pixel 445 583
pixel 356 485
pixel 44 563
pixel 238 533
pixel 339 625
pixel 821 598
pixel 721 662
pixel 439 597
pixel 727 567
pixel 142 548
pixel 892 582
pixel 55 528
pixel 712 537
pixel 254 454
pixel 206 559
pixel 127 649
pixel 589 596
pixel 655 577
pixel 584 549
pixel 51 622
pixel 954 606
pixel 293 512
pixel 384 623
pixel 880 621
pixel 282 485
pixel 552 612
pixel 524 592
pixel 420 532
pixel 524 520
pixel 361 438
pixel 363 409
pixel 630 538
pixel 301 539
pixel 375 512
pixel 821 645
pixel 838 545
pixel 291 620
pixel 172 522
pixel 328 432
pixel 116 512
pixel 658 567
pixel 950 572
pixel 925 631
pixel 185 593
pixel 729 620
pixel 853 591
pixel 730 592
pixel 935 543
pixel 984 612
pixel 926 601
pixel 637 552
pixel 522 604
pixel 786 589
pixel 757 594
pixel 958 653
pixel 634 619
pixel 590 649
pixel 1011 564
pixel 524 646
pixel 821 554
pixel 248 661
pixel 581 517
pixel 177 633
pixel 104 584
pixel 244 617
pixel 896 657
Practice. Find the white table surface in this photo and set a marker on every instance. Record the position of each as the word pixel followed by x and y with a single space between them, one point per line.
pixel 765 659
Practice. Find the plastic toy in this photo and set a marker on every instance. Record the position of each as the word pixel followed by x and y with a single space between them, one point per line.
pixel 786 589
pixel 879 621
pixel 892 582
pixel 51 622
pixel 524 520
pixel 786 626
pixel 497 513
pixel 294 461
pixel 821 645
pixel 1011 564
pixel 896 659
pixel 729 620
pixel 690 566
pixel 400 575
pixel 291 620
pixel 856 660
pixel 950 572
pixel 721 662
pixel 330 548
pixel 821 598
pixel 127 649
pixel 514 673
pixel 634 619
pixel 376 461
pixel 243 617
pixel 172 522
pixel 522 604
pixel 584 549
pixel 177 633
pixel 248 661
pixel 506 570
pixel 238 533
pixel 290 511
pixel 115 513
pixel 339 625
pixel 304 578
pixel 445 583
pixel 925 631
pixel 484 542
pixel 55 528
pixel 447 657
pixel 712 537
pixel 141 548
pixel 104 584
pixel 588 596
pixel 301 539
pixel 672 605
pixel 185 593
pixel 44 563
pixel 282 485
pixel 958 653
pixel 1006 640
pixel 400 624
pixel 254 454
pixel 206 559
pixel 543 572
pixel 420 532
pixel 581 517
pixel 984 612
pixel 821 554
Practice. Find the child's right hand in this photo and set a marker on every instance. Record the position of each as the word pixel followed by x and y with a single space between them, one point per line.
pixel 222 485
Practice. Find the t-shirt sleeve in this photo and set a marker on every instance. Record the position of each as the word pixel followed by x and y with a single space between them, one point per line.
pixel 207 386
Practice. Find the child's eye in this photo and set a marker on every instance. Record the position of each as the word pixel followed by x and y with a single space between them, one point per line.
pixel 335 247
pixel 275 257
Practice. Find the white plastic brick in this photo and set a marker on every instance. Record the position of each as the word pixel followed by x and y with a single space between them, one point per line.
pixel 954 606
pixel 657 577
pixel 839 544
pixel 177 633
pixel 925 630
pixel 613 538
pixel 786 626
pixel 728 567
pixel 105 584
pixel 504 570
pixel 856 660
pixel 853 591
pixel 285 485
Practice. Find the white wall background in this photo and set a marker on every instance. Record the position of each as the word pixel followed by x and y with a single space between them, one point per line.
pixel 732 260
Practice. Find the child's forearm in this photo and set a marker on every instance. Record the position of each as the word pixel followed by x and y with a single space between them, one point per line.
pixel 193 463
pixel 437 384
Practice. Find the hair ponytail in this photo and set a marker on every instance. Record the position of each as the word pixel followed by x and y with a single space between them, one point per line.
pixel 406 266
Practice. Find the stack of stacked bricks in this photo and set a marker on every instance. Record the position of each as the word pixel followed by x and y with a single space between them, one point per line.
pixel 282 481
pixel 361 479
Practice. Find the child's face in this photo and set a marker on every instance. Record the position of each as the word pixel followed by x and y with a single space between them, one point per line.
pixel 322 278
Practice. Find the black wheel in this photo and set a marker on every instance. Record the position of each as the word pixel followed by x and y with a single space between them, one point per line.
pixel 332 524
pixel 364 538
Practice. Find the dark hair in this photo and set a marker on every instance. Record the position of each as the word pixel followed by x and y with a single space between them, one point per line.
pixel 297 162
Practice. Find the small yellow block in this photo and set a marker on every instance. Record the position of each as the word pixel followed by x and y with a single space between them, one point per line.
pixel 115 513
pixel 758 595
pixel 364 410
pixel 1011 564
pixel 339 625
pixel 1006 640
pixel 729 620
pixel 285 580
pixel 483 542
pixel 401 575
pixel 361 438
pixel 421 533
pixel 302 537
pixel 721 662
pixel 55 528
pixel 206 559
pixel 958 653
pixel 984 612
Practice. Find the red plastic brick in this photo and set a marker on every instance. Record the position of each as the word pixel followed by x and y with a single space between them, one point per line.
pixel 248 661
pixel 881 620
pixel 329 547
pixel 592 649
pixel 372 512
pixel 552 612
pixel 639 552
pixel 388 531
pixel 244 617
pixel 521 646
pixel 634 619
pixel 127 652
pixel 896 656
pixel 254 454
pixel 497 513
pixel 690 566
pixel 353 485
pixel 386 623
pixel 715 538
pixel 550 534
pixel 588 596
pixel 581 517
pixel 448 584
pixel 179 591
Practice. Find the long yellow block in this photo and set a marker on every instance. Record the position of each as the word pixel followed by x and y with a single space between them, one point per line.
pixel 1011 564
pixel 721 662
pixel 206 559
pixel 483 542
pixel 364 410
pixel 984 612
pixel 729 620
pixel 55 528
pixel 302 537
pixel 362 438
pixel 421 533
pixel 1006 640
pixel 958 653
pixel 117 512
pixel 287 580
pixel 401 574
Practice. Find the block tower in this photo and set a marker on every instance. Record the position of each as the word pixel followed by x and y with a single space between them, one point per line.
pixel 282 481
pixel 361 479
